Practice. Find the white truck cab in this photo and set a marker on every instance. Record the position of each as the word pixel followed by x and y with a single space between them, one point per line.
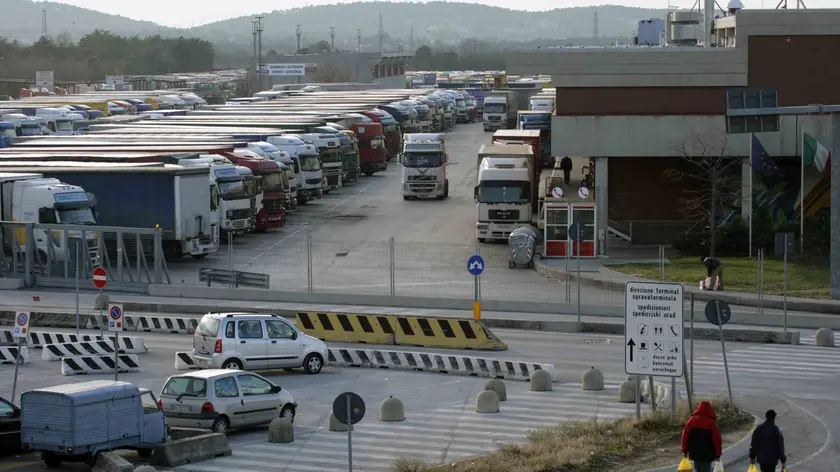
pixel 24 125
pixel 31 198
pixel 234 210
pixel 57 120
pixel 502 197
pixel 329 149
pixel 424 166
pixel 309 175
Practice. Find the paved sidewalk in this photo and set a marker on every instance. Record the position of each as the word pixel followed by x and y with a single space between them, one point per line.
pixel 596 272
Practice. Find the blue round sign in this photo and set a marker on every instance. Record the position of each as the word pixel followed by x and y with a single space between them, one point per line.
pixel 116 313
pixel 22 319
pixel 475 265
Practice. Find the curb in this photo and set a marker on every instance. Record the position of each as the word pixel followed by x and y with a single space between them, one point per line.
pixel 815 306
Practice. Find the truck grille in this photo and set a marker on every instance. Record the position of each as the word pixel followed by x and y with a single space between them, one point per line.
pixel 494 118
pixel 422 188
pixel 505 215
pixel 240 214
pixel 313 181
pixel 332 171
pixel 273 206
pixel 432 178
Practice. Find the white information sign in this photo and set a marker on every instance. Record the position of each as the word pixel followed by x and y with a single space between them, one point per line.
pixel 114 80
pixel 583 193
pixel 283 69
pixel 653 329
pixel 45 79
pixel 557 192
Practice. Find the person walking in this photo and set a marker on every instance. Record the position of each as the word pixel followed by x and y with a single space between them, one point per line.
pixel 566 167
pixel 701 441
pixel 714 270
pixel 767 446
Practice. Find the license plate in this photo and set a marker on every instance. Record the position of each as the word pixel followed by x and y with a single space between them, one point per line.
pixel 181 408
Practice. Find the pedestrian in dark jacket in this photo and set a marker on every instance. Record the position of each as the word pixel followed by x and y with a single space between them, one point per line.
pixel 566 166
pixel 767 446
pixel 701 441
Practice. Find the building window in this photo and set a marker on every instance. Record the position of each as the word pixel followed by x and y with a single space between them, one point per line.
pixel 746 98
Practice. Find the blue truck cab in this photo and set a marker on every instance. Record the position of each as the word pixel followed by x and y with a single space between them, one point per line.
pixel 75 422
pixel 7 133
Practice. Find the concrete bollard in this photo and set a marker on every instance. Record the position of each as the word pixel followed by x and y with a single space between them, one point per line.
pixel 541 381
pixel 627 391
pixel 487 402
pixel 498 386
pixel 593 379
pixel 335 425
pixel 145 468
pixel 825 337
pixel 391 409
pixel 281 431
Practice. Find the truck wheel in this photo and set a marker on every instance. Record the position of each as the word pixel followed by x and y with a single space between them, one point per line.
pixel 446 189
pixel 199 256
pixel 90 460
pixel 368 173
pixel 50 460
pixel 144 453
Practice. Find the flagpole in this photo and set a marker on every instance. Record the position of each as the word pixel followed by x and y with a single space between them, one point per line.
pixel 752 137
pixel 801 131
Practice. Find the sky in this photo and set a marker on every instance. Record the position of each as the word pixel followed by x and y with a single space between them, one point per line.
pixel 187 13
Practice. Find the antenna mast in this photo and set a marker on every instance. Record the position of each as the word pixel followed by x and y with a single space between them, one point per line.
pixel 44 22
pixel 381 33
pixel 332 38
pixel 359 40
pixel 298 33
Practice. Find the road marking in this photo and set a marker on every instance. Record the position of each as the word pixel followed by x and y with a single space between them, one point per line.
pixel 349 197
pixel 271 248
pixel 829 438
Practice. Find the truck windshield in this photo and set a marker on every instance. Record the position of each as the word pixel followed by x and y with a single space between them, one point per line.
pixel 232 190
pixel 422 159
pixel 503 191
pixel 76 216
pixel 30 130
pixel 61 125
pixel 331 154
pixel 377 143
pixel 309 163
pixel 273 182
pixel 391 129
pixel 460 103
pixel 495 108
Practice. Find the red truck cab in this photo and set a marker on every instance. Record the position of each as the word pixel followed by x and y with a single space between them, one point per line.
pixel 373 154
pixel 271 214
pixel 391 128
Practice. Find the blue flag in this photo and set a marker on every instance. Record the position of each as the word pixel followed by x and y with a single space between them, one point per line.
pixel 761 161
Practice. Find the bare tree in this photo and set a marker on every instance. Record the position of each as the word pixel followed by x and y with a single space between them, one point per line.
pixel 330 72
pixel 712 171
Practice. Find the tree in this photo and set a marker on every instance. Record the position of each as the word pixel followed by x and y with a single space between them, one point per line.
pixel 330 72
pixel 712 180
pixel 319 47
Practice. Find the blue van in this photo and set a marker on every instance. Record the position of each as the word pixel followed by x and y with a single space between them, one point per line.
pixel 75 422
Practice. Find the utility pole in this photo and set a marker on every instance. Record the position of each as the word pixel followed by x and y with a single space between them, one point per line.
pixel 411 39
pixel 256 62
pixel 259 49
pixel 358 40
pixel 332 38
pixel 298 33
pixel 44 22
pixel 595 33
pixel 381 34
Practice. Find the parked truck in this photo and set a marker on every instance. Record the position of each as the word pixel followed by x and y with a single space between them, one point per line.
pixel 308 170
pixel 275 191
pixel 541 121
pixel 330 154
pixel 7 134
pixel 424 166
pixel 506 190
pixel 234 204
pixel 29 197
pixel 373 154
pixel 77 421
pixel 349 156
pixel 172 197
pixel 500 110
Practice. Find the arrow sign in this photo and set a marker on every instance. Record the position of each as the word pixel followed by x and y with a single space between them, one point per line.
pixel 632 344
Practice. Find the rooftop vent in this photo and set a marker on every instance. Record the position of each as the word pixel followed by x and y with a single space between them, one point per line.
pixel 734 6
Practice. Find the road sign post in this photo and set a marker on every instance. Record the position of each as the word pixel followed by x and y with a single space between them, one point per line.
pixel 349 408
pixel 475 266
pixel 719 313
pixel 115 325
pixel 576 234
pixel 100 279
pixel 653 331
pixel 20 333
pixel 78 316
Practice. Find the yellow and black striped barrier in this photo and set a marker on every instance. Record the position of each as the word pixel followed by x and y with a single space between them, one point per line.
pixel 422 331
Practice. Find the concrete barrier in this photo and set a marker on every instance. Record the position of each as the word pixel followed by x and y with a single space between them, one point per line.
pixel 336 425
pixel 498 386
pixel 128 344
pixel 627 391
pixel 55 352
pixel 98 364
pixel 593 379
pixel 824 337
pixel 661 392
pixel 185 361
pixel 187 450
pixel 441 363
pixel 176 432
pixel 112 462
pixel 145 468
pixel 8 354
pixel 487 402
pixel 391 409
pixel 281 431
pixel 541 382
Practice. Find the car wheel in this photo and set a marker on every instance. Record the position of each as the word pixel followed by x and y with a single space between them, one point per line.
pixel 313 364
pixel 221 425
pixel 232 364
pixel 288 412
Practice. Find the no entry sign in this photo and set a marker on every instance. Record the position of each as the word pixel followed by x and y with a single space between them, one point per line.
pixel 100 277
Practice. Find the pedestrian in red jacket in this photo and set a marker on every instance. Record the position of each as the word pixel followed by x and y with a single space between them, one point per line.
pixel 701 441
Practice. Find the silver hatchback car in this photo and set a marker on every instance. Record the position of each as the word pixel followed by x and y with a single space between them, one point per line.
pixel 220 400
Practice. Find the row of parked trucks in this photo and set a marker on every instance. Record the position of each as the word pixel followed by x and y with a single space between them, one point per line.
pixel 227 169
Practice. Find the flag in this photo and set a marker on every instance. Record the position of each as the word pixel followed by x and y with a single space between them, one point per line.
pixel 761 161
pixel 815 154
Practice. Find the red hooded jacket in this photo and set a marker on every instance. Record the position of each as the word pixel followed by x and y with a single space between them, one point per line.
pixel 701 436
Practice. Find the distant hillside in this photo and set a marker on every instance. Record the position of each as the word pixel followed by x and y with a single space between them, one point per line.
pixel 439 22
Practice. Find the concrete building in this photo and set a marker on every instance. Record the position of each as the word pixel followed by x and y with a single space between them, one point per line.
pixel 651 32
pixel 386 69
pixel 630 109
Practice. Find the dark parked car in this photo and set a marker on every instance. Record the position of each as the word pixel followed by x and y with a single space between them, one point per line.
pixel 9 428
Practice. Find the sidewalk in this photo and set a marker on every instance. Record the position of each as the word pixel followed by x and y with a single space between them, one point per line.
pixel 596 273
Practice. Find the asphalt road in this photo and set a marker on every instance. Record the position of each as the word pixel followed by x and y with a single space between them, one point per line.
pixel 801 380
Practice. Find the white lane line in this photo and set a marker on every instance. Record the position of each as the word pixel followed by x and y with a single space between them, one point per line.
pixel 349 197
pixel 271 248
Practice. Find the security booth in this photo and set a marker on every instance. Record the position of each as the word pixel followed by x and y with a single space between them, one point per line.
pixel 557 218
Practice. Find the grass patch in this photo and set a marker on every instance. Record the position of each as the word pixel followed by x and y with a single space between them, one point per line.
pixel 741 275
pixel 585 446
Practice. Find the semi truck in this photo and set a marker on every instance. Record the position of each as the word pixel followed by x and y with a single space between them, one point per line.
pixel 516 199
pixel 499 110
pixel 171 197
pixel 393 134
pixel 254 190
pixel 309 174
pixel 24 125
pixel 29 197
pixel 234 204
pixel 274 186
pixel 329 149
pixel 349 157
pixel 7 134
pixel 373 154
pixel 541 121
pixel 424 166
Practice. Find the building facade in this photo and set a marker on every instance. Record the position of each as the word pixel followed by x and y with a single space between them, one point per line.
pixel 385 69
pixel 636 111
